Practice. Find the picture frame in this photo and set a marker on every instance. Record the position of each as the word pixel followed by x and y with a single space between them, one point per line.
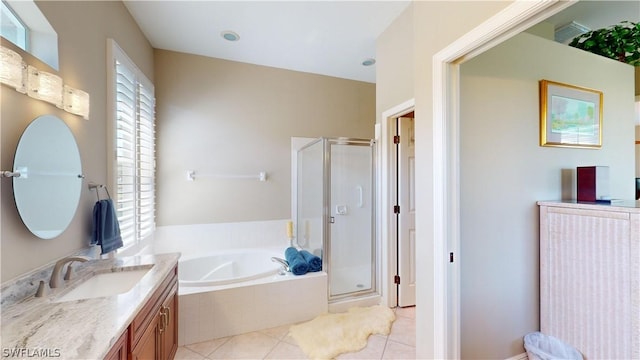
pixel 570 116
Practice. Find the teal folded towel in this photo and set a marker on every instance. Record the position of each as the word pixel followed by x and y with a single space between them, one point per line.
pixel 297 264
pixel 315 263
pixel 106 229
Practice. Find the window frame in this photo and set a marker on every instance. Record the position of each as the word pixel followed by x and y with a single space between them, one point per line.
pixel 22 41
pixel 116 54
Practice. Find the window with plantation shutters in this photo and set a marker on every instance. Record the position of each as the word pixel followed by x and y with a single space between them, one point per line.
pixel 134 148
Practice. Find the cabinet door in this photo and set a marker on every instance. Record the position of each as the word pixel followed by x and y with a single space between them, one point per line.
pixel 169 334
pixel 119 349
pixel 148 346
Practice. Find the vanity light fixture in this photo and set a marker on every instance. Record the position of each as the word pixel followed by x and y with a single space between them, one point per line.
pixel 44 86
pixel 76 102
pixel 41 85
pixel 12 69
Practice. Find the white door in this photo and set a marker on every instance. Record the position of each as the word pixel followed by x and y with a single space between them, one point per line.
pixel 406 217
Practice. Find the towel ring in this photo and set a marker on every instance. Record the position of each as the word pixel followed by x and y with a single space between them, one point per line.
pixel 97 187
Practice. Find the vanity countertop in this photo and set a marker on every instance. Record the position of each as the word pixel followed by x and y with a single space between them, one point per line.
pixel 80 329
pixel 615 205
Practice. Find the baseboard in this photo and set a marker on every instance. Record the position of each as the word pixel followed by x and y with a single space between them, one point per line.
pixel 522 356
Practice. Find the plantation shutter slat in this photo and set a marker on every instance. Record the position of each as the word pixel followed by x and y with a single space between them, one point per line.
pixel 146 160
pixel 134 153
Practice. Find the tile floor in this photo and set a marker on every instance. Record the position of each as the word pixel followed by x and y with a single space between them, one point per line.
pixel 276 344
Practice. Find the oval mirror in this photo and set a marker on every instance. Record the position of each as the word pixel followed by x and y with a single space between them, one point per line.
pixel 48 188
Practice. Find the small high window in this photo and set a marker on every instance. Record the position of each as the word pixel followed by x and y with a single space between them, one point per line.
pixel 13 28
pixel 26 26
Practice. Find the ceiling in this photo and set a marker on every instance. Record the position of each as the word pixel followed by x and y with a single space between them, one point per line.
pixel 323 37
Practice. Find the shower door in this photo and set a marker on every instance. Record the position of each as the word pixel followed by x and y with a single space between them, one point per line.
pixel 349 217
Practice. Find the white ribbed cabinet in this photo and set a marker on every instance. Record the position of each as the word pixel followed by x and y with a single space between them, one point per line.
pixel 590 277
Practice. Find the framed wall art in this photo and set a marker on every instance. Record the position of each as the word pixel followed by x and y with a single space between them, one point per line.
pixel 570 116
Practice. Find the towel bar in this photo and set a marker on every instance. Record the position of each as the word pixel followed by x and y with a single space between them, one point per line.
pixel 9 174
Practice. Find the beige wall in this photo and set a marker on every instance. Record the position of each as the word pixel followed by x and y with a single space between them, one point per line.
pixel 227 118
pixel 394 63
pixel 82 28
pixel 504 172
pixel 432 25
pixel 436 25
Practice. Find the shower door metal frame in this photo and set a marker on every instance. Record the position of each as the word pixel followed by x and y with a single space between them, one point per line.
pixel 326 260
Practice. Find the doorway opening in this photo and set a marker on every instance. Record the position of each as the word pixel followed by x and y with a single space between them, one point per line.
pixel 397 231
pixel 405 210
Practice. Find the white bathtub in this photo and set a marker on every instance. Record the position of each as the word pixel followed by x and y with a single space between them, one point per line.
pixel 227 267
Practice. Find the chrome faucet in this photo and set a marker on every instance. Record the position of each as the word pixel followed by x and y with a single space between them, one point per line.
pixel 283 262
pixel 54 282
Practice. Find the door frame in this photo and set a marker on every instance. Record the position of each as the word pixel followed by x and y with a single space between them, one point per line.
pixel 445 296
pixel 387 180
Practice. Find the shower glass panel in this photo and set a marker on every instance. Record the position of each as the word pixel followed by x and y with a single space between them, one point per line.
pixel 310 205
pixel 336 212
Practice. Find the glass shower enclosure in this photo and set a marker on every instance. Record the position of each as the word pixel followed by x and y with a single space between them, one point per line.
pixel 336 211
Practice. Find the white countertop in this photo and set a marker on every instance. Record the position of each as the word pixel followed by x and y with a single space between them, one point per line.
pixel 80 329
pixel 632 206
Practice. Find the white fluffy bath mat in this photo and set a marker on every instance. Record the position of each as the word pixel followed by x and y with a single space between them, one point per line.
pixel 329 335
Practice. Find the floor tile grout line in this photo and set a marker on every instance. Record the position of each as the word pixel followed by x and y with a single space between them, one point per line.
pixel 386 341
pixel 270 351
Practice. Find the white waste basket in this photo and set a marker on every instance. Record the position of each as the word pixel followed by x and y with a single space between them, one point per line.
pixel 545 347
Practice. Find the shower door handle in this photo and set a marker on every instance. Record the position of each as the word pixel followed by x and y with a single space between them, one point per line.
pixel 332 220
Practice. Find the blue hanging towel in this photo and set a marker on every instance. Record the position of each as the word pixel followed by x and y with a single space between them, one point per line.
pixel 297 263
pixel 315 263
pixel 106 229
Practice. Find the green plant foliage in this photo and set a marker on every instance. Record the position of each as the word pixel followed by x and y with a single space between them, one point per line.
pixel 619 42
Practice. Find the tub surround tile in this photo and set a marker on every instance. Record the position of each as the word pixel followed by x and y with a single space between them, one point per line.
pixel 203 238
pixel 224 311
pixel 82 329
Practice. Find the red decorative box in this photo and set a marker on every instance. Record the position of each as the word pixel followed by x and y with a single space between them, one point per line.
pixel 593 183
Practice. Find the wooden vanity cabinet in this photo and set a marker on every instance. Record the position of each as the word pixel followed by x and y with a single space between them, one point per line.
pixel 120 350
pixel 153 334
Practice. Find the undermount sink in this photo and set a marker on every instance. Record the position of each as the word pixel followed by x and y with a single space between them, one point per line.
pixel 114 282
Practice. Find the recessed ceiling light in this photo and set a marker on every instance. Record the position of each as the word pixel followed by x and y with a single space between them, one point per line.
pixel 368 62
pixel 230 35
